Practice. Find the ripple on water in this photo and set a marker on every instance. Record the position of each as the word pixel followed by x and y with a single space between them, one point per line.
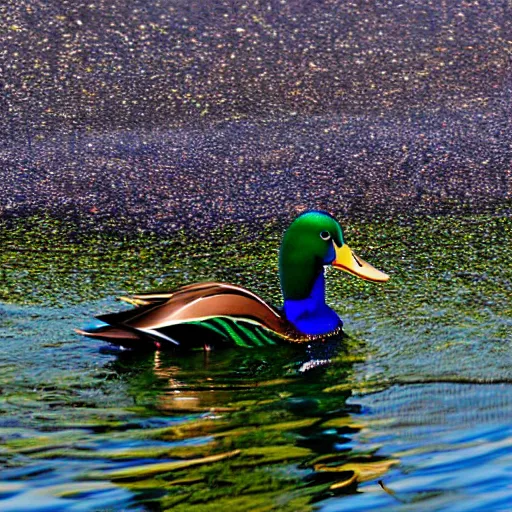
pixel 84 430
pixel 454 442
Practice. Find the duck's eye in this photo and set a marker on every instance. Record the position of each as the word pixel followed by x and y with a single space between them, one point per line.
pixel 325 235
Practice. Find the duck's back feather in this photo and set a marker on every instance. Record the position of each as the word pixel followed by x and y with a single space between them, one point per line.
pixel 224 309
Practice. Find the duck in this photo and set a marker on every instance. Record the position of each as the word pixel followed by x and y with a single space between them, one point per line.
pixel 210 314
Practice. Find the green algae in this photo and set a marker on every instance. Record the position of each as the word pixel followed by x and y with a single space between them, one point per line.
pixel 149 470
pixel 451 279
pixel 462 260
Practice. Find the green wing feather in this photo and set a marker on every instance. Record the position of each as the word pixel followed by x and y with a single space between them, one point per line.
pixel 239 332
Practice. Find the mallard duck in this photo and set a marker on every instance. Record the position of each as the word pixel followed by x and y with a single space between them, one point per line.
pixel 207 313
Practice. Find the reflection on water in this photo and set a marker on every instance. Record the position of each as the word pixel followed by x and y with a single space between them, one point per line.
pixel 454 442
pixel 239 428
pixel 82 429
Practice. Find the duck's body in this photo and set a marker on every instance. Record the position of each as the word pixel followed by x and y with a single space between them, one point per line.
pixel 208 314
pixel 197 315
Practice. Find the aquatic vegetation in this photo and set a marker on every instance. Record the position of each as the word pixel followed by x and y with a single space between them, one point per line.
pixel 450 286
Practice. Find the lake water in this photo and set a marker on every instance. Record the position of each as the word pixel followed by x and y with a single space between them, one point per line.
pixel 412 413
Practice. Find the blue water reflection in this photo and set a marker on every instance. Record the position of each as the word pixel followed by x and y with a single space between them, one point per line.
pixel 454 443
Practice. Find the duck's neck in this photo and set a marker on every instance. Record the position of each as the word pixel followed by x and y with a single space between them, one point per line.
pixel 311 315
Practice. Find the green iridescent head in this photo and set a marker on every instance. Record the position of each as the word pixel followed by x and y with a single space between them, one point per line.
pixel 306 247
pixel 313 240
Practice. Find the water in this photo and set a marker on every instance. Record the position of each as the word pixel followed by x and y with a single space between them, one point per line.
pixel 412 413
pixel 453 442
pixel 72 416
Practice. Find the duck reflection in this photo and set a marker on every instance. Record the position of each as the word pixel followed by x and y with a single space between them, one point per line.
pixel 258 427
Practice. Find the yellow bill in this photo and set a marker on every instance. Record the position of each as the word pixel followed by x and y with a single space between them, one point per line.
pixel 346 260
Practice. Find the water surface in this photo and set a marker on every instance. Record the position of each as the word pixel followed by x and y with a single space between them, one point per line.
pixel 412 411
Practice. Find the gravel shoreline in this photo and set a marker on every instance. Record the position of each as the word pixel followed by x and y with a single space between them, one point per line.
pixel 161 116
